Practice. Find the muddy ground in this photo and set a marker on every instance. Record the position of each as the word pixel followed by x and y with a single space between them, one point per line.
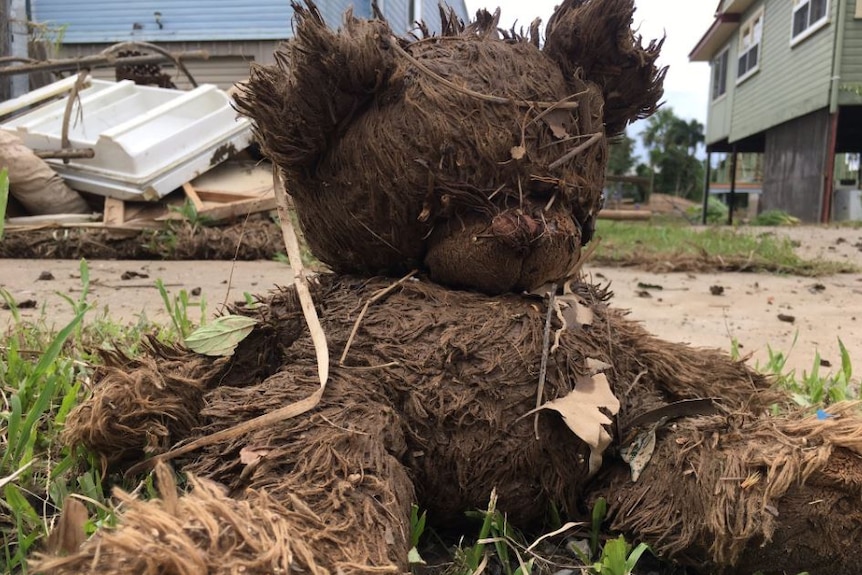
pixel 674 306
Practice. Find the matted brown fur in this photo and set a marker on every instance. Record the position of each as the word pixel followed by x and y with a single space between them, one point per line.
pixel 427 408
pixel 155 400
pixel 743 494
pixel 598 39
pixel 405 153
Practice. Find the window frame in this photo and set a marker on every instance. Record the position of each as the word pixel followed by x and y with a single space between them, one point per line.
pixel 724 55
pixel 751 23
pixel 813 27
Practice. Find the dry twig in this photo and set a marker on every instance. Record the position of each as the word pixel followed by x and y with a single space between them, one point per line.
pixel 376 297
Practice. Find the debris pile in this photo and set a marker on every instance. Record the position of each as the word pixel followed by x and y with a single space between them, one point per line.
pixel 80 147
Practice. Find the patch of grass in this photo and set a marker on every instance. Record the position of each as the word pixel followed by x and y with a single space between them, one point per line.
pixel 496 539
pixel 668 247
pixel 39 388
pixel 775 218
pixel 813 388
pixel 190 214
pixel 44 373
pixel 618 557
pixel 178 309
pixel 716 212
pixel 809 388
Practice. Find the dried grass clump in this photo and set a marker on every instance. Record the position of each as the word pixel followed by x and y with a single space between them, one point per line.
pixel 141 406
pixel 200 532
pixel 466 151
pixel 771 494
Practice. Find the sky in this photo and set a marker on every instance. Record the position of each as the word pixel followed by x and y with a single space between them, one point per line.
pixel 683 21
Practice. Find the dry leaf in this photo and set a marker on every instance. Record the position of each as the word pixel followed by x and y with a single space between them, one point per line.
pixel 70 530
pixel 584 314
pixel 595 366
pixel 575 311
pixel 518 152
pixel 556 121
pixel 582 414
pixel 252 455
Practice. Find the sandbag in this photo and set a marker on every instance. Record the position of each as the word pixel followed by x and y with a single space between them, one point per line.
pixel 34 184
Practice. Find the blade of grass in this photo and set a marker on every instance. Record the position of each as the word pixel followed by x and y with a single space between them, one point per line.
pixel 4 199
pixel 22 436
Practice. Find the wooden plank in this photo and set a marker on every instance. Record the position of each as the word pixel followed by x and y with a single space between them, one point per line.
pixel 227 197
pixel 192 195
pixel 239 209
pixel 794 165
pixel 236 177
pixel 114 220
pixel 126 229
pixel 51 219
pixel 114 212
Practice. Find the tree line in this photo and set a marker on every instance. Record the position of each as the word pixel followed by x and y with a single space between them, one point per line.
pixel 671 165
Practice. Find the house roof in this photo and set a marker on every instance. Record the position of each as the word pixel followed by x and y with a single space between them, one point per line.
pixel 727 17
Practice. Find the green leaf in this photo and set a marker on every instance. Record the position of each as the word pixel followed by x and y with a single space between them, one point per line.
pixel 635 556
pixel 526 569
pixel 846 364
pixel 53 351
pixel 70 399
pixel 417 525
pixel 12 433
pixel 600 510
pixel 19 505
pixel 614 556
pixel 85 282
pixel 220 337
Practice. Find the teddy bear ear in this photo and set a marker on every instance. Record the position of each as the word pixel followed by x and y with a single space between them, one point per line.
pixel 321 80
pixel 593 39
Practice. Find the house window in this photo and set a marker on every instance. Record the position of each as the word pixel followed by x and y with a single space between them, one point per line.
pixel 749 46
pixel 858 8
pixel 808 17
pixel 719 74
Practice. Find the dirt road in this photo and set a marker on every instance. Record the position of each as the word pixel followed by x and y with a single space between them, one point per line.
pixel 677 307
